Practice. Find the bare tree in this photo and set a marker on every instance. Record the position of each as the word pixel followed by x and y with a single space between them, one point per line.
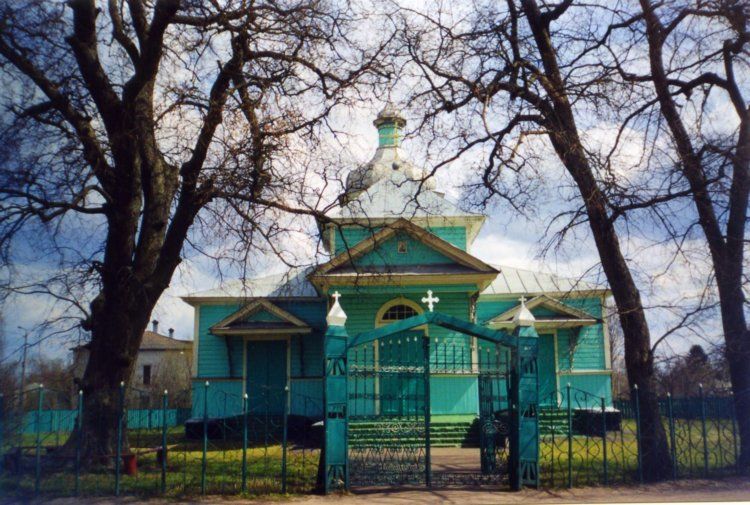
pixel 137 129
pixel 698 58
pixel 523 71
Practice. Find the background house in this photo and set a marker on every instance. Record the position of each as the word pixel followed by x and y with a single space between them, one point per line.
pixel 163 362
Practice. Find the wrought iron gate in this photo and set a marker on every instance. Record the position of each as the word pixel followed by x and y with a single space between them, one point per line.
pixel 377 418
pixel 388 414
pixel 494 413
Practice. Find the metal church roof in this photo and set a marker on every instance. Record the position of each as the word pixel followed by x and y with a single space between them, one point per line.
pixel 292 284
pixel 516 281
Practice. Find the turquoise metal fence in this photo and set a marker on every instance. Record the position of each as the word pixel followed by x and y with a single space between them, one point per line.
pixel 64 420
pixel 160 451
pixel 581 444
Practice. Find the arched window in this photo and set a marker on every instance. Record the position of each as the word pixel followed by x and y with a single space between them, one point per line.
pixel 396 310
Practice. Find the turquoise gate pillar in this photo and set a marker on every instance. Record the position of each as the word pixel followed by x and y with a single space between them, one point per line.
pixel 524 440
pixel 336 464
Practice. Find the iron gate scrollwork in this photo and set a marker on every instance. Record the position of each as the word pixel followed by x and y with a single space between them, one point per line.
pixel 387 426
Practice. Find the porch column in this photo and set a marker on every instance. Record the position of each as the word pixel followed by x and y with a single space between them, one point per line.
pixel 336 464
pixel 524 440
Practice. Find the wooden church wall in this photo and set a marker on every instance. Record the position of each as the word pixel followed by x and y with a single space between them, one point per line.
pixel 226 389
pixel 588 369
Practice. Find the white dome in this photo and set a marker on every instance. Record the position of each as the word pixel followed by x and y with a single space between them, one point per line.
pixel 388 159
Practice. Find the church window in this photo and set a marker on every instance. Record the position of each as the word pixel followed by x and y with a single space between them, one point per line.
pixel 146 375
pixel 402 248
pixel 398 312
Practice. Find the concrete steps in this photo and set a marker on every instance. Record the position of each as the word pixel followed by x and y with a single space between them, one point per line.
pixel 402 433
pixel 553 421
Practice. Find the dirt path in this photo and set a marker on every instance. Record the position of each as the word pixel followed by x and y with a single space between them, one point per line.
pixel 726 490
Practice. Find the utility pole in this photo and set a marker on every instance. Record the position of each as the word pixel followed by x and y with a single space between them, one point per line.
pixel 23 367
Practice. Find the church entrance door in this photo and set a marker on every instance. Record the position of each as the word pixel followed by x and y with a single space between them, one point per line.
pixel 266 376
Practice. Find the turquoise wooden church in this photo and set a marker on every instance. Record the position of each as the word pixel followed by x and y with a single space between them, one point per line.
pixel 398 248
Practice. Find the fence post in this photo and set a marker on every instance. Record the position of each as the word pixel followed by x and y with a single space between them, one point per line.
pixel 38 465
pixel 79 441
pixel 164 403
pixel 205 437
pixel 285 429
pixel 638 433
pixel 604 442
pixel 570 438
pixel 244 442
pixel 118 455
pixel 734 438
pixel 427 413
pixel 672 438
pixel 2 430
pixel 703 430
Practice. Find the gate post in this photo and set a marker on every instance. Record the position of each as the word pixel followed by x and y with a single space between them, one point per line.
pixel 524 440
pixel 336 458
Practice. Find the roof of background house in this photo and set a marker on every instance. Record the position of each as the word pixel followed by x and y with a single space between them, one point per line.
pixel 158 342
pixel 154 342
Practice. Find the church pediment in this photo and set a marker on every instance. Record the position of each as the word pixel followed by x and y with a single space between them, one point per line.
pixel 548 313
pixel 403 250
pixel 260 317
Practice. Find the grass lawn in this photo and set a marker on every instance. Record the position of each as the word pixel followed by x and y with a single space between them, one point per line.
pixel 223 474
pixel 587 463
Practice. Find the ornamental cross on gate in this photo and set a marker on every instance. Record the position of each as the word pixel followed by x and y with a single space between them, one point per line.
pixel 430 300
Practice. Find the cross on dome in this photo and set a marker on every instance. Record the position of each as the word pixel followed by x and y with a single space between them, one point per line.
pixel 430 300
pixel 336 295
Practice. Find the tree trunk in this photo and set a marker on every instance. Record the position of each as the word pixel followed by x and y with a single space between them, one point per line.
pixel 563 133
pixel 117 328
pixel 639 363
pixel 726 249
pixel 737 338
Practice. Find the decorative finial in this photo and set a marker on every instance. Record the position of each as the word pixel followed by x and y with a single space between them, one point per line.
pixel 523 317
pixel 336 316
pixel 430 300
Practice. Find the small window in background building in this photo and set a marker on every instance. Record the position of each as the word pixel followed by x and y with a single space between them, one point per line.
pixel 146 375
pixel 402 249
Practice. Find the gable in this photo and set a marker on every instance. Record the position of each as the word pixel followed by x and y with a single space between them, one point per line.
pixel 260 316
pixel 402 249
pixel 439 251
pixel 346 237
pixel 549 312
